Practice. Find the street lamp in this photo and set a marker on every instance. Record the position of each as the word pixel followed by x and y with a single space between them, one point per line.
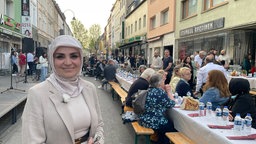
pixel 64 20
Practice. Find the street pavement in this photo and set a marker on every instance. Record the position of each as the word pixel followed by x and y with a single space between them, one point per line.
pixel 115 131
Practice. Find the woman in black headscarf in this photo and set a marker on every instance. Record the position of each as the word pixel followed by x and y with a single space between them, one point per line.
pixel 241 101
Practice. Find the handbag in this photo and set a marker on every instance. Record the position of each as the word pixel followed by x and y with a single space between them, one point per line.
pixel 189 103
pixel 138 103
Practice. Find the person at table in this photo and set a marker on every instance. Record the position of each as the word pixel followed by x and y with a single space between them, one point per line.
pixel 127 68
pixel 183 88
pixel 142 83
pixel 157 102
pixel 202 73
pixel 63 109
pixel 216 89
pixel 175 77
pixel 187 63
pixel 109 73
pixel 142 68
pixel 241 101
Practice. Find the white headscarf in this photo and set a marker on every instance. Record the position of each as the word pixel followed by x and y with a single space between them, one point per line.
pixel 70 86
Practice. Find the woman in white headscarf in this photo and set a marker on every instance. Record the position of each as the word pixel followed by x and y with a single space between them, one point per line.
pixel 64 109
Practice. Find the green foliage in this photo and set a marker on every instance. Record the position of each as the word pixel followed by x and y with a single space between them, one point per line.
pixel 80 32
pixel 94 34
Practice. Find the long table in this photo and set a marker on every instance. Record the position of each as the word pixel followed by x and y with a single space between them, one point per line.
pixel 126 84
pixel 252 80
pixel 196 129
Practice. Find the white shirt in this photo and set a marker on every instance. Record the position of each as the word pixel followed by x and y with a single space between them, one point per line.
pixel 198 60
pixel 157 63
pixel 202 73
pixel 30 57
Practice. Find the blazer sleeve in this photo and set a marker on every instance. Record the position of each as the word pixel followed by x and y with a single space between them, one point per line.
pixel 32 120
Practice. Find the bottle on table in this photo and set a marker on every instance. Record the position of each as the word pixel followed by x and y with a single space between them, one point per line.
pixel 247 124
pixel 225 113
pixel 201 109
pixel 237 123
pixel 218 113
pixel 208 109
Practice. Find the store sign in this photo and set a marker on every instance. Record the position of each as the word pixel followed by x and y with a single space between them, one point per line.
pixel 26 26
pixel 9 23
pixel 209 26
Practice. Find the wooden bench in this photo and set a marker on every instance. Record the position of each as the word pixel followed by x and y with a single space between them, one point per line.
pixel 178 138
pixel 140 130
pixel 120 91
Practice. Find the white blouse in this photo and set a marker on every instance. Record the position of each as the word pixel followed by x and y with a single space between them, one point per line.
pixel 80 115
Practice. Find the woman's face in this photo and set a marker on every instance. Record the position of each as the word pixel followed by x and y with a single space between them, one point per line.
pixel 67 61
pixel 188 60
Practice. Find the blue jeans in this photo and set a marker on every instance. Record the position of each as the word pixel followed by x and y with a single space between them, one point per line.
pixel 43 73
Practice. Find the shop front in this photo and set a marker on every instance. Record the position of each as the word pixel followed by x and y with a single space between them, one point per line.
pixel 238 42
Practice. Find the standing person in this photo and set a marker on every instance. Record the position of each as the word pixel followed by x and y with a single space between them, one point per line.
pixel 246 63
pixel 14 62
pixel 22 63
pixel 132 61
pixel 30 60
pixel 168 65
pixel 202 73
pixel 224 58
pixel 64 109
pixel 44 66
pixel 215 89
pixel 157 62
pixel 156 104
pixel 199 59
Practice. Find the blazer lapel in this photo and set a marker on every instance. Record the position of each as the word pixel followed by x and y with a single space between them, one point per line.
pixel 62 110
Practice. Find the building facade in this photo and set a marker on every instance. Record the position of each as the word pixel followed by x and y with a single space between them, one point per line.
pixel 216 24
pixel 161 26
pixel 135 27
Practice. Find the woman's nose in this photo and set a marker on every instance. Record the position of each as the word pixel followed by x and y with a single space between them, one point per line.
pixel 67 61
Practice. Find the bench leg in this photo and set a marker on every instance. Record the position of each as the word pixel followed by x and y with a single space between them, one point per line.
pixel 147 139
pixel 14 115
pixel 113 93
pixel 136 139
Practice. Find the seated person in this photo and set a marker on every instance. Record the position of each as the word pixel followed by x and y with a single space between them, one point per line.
pixel 183 88
pixel 109 73
pixel 175 77
pixel 241 101
pixel 215 89
pixel 157 102
pixel 127 68
pixel 142 68
pixel 140 84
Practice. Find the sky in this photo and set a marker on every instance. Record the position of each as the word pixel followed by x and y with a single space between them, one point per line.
pixel 89 12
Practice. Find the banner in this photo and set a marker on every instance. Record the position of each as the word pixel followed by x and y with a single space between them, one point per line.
pixel 25 8
pixel 26 26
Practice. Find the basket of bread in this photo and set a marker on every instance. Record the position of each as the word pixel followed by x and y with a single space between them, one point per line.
pixel 189 103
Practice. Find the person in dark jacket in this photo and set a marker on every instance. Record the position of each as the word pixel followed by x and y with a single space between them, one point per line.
pixel 183 88
pixel 142 83
pixel 109 73
pixel 241 101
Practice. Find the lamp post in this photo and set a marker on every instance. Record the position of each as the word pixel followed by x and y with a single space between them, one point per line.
pixel 73 18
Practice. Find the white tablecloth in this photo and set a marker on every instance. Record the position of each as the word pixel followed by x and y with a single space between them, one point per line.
pixel 196 129
pixel 126 84
pixel 252 80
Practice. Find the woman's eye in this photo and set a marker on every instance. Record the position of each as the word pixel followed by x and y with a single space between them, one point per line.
pixel 75 56
pixel 59 56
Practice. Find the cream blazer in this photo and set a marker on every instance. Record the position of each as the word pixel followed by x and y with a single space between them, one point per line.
pixel 46 119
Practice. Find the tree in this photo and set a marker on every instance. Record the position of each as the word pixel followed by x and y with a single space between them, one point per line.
pixel 80 33
pixel 94 35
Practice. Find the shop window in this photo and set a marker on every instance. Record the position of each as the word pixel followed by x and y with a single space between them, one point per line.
pixel 139 23
pixel 189 8
pixel 208 4
pixel 165 17
pixel 153 22
pixel 144 21
pixel 135 26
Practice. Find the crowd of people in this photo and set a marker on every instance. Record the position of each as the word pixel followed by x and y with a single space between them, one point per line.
pixel 29 64
pixel 56 101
